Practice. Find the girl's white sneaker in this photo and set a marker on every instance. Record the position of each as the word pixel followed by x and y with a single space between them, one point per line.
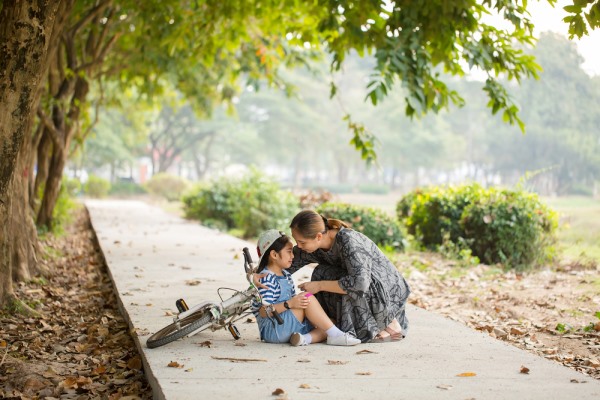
pixel 344 340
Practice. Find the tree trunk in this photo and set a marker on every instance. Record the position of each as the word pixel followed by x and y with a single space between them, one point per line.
pixel 65 127
pixel 24 233
pixel 25 36
pixel 44 151
pixel 52 188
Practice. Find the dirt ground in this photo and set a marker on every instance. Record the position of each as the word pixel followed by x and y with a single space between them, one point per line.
pixel 80 346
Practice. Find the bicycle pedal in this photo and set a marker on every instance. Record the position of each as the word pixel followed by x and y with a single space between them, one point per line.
pixel 181 305
pixel 234 331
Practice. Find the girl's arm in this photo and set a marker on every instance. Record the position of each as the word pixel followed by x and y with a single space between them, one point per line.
pixel 298 301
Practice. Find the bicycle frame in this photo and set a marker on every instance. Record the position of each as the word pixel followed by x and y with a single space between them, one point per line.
pixel 211 314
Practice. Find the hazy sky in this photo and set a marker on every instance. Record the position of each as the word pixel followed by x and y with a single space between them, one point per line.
pixel 547 18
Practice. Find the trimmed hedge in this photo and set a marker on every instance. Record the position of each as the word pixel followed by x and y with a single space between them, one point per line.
pixel 96 187
pixel 512 227
pixel 168 186
pixel 374 223
pixel 252 203
pixel 432 214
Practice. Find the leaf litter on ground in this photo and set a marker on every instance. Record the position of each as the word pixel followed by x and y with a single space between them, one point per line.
pixel 79 346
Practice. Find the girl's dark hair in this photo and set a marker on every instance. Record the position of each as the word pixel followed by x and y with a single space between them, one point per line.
pixel 308 223
pixel 277 245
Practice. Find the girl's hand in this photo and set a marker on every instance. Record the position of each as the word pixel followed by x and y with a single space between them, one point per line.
pixel 299 301
pixel 312 287
pixel 255 280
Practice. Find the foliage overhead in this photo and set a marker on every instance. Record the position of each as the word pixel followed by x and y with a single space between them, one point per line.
pixel 584 16
pixel 415 44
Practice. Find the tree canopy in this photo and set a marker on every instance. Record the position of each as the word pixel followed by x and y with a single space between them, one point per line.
pixel 57 58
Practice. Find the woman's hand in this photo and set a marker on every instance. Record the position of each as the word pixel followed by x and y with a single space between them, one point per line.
pixel 312 287
pixel 299 301
pixel 255 280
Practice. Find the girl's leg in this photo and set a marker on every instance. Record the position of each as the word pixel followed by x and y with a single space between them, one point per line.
pixel 315 314
pixel 318 335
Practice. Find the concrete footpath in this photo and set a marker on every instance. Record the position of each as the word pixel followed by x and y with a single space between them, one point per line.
pixel 155 258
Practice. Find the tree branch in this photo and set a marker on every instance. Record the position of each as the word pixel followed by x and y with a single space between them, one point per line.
pixel 49 125
pixel 92 13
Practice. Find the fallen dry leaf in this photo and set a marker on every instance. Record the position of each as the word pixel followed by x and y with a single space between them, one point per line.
pixel 365 351
pixel 467 374
pixel 192 282
pixel 334 362
pixel 524 369
pixel 364 373
pixel 174 364
pixel 304 386
pixel 206 343
pixel 134 363
pixel 278 392
pixel 239 359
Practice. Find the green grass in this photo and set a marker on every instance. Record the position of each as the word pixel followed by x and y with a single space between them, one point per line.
pixel 579 226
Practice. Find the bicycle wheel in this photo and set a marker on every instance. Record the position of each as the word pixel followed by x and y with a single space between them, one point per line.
pixel 187 325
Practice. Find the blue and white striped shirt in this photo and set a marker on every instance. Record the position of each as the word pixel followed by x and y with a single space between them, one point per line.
pixel 272 294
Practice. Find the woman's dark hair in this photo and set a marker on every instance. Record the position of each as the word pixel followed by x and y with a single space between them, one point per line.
pixel 277 245
pixel 309 223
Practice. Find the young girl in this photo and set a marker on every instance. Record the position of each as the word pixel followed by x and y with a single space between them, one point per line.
pixel 304 320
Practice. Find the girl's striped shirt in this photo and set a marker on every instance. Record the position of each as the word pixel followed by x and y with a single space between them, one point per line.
pixel 273 292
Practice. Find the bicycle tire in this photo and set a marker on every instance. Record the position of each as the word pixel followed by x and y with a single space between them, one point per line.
pixel 187 325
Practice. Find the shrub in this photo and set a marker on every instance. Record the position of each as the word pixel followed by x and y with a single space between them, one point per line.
pixel 374 223
pixel 372 188
pixel 124 188
pixel 510 227
pixel 432 214
pixel 72 187
pixel 337 188
pixel 251 203
pixel 62 213
pixel 211 202
pixel 313 199
pixel 168 186
pixel 96 187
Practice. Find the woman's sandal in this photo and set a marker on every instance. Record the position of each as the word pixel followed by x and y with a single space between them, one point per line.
pixel 392 337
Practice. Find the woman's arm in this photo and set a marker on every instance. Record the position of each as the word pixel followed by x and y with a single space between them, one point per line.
pixel 356 251
pixel 322 286
pixel 301 258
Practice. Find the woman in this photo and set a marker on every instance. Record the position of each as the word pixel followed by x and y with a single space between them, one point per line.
pixel 358 287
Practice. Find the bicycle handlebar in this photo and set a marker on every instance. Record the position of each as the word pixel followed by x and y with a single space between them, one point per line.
pixel 248 263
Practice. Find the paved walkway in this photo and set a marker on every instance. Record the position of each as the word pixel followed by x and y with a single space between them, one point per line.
pixel 155 258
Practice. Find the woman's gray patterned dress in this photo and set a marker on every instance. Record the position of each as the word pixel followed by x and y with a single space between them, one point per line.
pixel 376 291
